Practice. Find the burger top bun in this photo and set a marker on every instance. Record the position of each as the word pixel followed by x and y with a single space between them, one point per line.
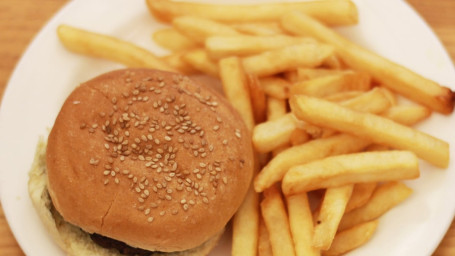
pixel 150 158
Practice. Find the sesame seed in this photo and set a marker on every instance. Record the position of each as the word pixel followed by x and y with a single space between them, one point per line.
pixel 76 102
pixel 117 181
pixel 147 211
pixel 106 181
pixel 150 219
pixel 106 146
pixel 140 199
pixel 162 213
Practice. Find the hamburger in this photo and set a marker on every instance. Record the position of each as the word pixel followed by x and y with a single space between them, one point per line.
pixel 141 162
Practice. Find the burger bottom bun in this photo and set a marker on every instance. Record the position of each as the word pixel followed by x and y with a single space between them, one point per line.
pixel 70 238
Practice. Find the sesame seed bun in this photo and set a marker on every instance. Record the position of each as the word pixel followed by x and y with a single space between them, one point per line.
pixel 149 158
pixel 73 240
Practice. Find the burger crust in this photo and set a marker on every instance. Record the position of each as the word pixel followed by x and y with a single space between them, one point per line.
pixel 73 240
pixel 149 158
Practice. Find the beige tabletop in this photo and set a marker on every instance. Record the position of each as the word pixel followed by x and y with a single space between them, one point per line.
pixel 20 21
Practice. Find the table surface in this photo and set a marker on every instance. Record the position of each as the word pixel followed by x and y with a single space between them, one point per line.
pixel 21 20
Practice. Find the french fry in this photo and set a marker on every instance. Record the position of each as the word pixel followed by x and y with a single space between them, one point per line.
pixel 349 169
pixel 175 60
pixel 246 220
pixel 332 209
pixel 299 136
pixel 374 101
pixel 407 114
pixel 245 225
pixel 173 40
pixel 110 48
pixel 385 197
pixel 264 247
pixel 199 29
pixel 301 224
pixel 275 61
pixel 258 99
pixel 277 223
pixel 342 96
pixel 243 45
pixel 360 195
pixel 302 74
pixel 275 170
pixel 352 238
pixel 276 108
pixel 199 60
pixel 273 134
pixel 331 84
pixel 332 12
pixel 259 28
pixel 390 74
pixel 376 128
pixel 333 62
pixel 275 87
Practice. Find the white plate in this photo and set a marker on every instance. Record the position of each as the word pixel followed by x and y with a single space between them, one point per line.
pixel 47 73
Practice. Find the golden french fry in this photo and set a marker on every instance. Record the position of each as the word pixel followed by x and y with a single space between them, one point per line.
pixel 273 134
pixel 199 29
pixel 331 84
pixel 275 87
pixel 385 197
pixel 258 99
pixel 275 170
pixel 276 108
pixel 374 101
pixel 277 223
pixel 199 60
pixel 390 95
pixel 301 223
pixel 342 96
pixel 246 220
pixel 245 225
pixel 407 114
pixel 278 60
pixel 176 61
pixel 390 74
pixel 264 247
pixel 173 40
pixel 302 74
pixel 243 45
pixel 235 86
pixel 376 128
pixel 331 12
pixel 333 62
pixel 352 168
pixel 259 28
pixel 352 238
pixel 332 209
pixel 360 195
pixel 299 137
pixel 110 48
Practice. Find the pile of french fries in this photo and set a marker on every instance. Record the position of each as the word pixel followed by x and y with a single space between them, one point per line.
pixel 331 122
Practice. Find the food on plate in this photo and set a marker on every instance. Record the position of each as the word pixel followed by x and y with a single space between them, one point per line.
pixel 330 121
pixel 144 158
pixel 392 75
pixel 107 47
pixel 245 224
pixel 376 128
pixel 332 12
